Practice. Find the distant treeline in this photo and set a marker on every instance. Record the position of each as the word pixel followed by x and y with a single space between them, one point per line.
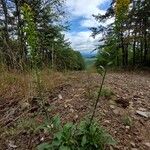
pixel 126 42
pixel 52 48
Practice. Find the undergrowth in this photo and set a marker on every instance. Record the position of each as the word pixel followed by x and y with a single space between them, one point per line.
pixel 82 136
pixel 127 120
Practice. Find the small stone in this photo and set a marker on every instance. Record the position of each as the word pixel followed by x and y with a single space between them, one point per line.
pixel 127 127
pixel 147 144
pixel 105 111
pixel 66 105
pixel 76 117
pixel 143 114
pixel 134 149
pixel 133 144
pixel 71 110
pixel 60 96
pixel 42 139
pixel 25 105
pixel 116 111
pixel 112 106
pixel 12 145
pixel 107 121
pixel 111 148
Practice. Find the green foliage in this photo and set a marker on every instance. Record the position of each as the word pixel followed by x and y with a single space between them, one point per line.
pixel 106 92
pixel 37 38
pixel 126 39
pixel 27 125
pixel 64 138
pixel 92 136
pixel 90 63
pixel 79 137
pixel 127 121
pixel 31 34
pixel 104 58
pixel 67 59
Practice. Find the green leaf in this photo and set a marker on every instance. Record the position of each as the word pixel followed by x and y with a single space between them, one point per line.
pixel 58 135
pixel 56 121
pixel 84 141
pixel 101 70
pixel 56 143
pixel 110 63
pixel 64 148
pixel 44 146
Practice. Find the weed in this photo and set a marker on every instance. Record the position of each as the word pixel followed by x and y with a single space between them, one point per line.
pixel 79 137
pixel 127 121
pixel 27 125
pixel 106 92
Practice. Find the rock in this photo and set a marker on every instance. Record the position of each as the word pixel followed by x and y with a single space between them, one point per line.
pixel 112 106
pixel 116 111
pixel 105 111
pixel 134 149
pixel 107 121
pixel 42 139
pixel 65 105
pixel 12 145
pixel 133 144
pixel 127 127
pixel 71 110
pixel 147 144
pixel 143 114
pixel 76 117
pixel 24 105
pixel 111 148
pixel 60 96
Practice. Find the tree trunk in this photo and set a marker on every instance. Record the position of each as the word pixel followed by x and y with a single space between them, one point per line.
pixel 18 4
pixel 123 51
pixel 145 43
pixel 3 2
pixel 134 44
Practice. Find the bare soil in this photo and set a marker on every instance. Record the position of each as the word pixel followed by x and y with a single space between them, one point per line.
pixel 73 100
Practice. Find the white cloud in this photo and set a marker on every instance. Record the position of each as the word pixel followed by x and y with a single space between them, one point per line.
pixel 82 41
pixel 91 22
pixel 84 7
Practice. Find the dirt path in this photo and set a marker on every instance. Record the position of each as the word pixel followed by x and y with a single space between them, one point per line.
pixel 73 100
pixel 130 88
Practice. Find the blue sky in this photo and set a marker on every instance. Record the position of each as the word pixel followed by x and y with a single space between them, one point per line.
pixel 80 18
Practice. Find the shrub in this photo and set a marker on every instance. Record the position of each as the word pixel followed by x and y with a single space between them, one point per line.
pixel 84 136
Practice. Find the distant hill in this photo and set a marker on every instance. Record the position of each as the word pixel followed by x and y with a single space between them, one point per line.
pixel 88 54
pixel 89 58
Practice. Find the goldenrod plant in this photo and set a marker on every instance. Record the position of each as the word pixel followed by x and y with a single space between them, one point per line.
pixel 32 42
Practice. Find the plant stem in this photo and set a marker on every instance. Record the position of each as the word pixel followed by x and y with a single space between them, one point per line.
pixel 97 100
pixel 40 96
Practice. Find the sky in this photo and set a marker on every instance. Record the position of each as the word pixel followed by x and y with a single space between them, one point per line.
pixel 80 19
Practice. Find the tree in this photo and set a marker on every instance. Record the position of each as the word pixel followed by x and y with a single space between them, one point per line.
pixel 48 19
pixel 129 35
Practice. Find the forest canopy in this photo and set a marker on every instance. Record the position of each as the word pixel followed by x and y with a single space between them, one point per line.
pixel 21 21
pixel 127 38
